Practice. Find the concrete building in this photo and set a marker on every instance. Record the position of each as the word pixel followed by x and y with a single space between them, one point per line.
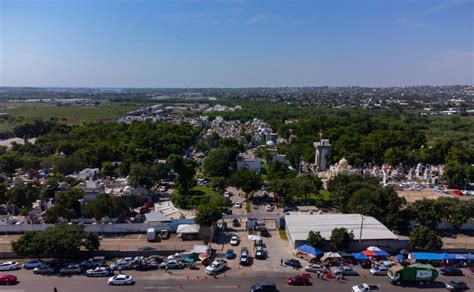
pixel 298 226
pixel 322 155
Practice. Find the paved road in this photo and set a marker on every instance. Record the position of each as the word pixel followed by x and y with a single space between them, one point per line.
pixel 179 281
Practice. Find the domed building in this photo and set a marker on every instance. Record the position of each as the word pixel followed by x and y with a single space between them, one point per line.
pixel 342 167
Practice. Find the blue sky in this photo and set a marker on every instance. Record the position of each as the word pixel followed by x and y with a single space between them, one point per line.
pixel 226 43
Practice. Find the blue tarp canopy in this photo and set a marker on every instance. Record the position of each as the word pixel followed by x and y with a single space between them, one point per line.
pixel 381 253
pixel 309 249
pixel 429 256
pixel 400 257
pixel 360 256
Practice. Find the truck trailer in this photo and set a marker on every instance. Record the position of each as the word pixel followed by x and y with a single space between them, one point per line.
pixel 413 274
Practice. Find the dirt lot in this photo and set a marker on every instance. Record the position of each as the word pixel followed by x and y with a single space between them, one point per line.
pixel 412 196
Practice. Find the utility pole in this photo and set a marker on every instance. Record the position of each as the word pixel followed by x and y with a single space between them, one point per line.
pixel 361 227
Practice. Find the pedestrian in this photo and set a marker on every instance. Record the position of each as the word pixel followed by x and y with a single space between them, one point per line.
pixel 120 270
pixel 166 269
pixel 317 274
pixel 281 262
pixel 55 289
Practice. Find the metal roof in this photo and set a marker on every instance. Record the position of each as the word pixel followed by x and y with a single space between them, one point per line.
pixel 300 225
pixel 156 217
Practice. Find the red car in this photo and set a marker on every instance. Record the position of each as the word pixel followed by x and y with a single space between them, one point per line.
pixel 8 279
pixel 300 280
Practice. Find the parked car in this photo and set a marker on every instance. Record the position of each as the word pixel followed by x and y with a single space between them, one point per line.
pixel 121 279
pixel 163 189
pixel 451 272
pixel 244 256
pixel 99 272
pixel 263 287
pixel 260 253
pixel 346 271
pixel 230 254
pixel 379 270
pixel 9 266
pixel 147 248
pixel 456 285
pixel 172 264
pixel 6 279
pixel 235 222
pixel 91 263
pixel 227 194
pixel 33 264
pixel 234 240
pixel 144 266
pixel 300 280
pixel 43 270
pixel 314 268
pixel 268 208
pixel 216 267
pixel 293 263
pixel 70 270
pixel 122 265
pixel 238 205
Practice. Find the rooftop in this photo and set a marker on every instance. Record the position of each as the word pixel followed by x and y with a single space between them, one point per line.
pixel 300 225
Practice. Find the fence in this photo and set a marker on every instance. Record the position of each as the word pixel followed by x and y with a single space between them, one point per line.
pixel 98 228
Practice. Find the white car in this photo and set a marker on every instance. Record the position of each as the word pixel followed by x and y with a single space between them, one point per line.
pixel 216 267
pixel 314 268
pixel 268 208
pixel 70 269
pixel 234 240
pixel 121 279
pixel 238 205
pixel 227 194
pixel 379 271
pixel 33 264
pixel 163 189
pixel 9 266
pixel 99 272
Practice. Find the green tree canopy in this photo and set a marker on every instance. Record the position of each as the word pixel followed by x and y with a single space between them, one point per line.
pixel 23 195
pixel 9 162
pixel 207 214
pixel 341 238
pixel 106 206
pixel 315 239
pixel 246 179
pixel 59 241
pixel 424 239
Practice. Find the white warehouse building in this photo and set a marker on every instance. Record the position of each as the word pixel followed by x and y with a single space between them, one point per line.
pixel 373 232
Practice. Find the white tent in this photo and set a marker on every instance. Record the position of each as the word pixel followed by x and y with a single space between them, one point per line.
pixel 199 248
pixel 330 255
pixel 187 228
pixel 255 237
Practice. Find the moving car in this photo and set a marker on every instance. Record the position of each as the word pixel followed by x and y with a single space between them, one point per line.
pixel 451 272
pixel 230 254
pixel 379 271
pixel 365 288
pixel 456 286
pixel 121 279
pixel 260 253
pixel 33 264
pixel 244 256
pixel 234 240
pixel 99 272
pixel 293 263
pixel 9 266
pixel 263 287
pixel 43 270
pixel 8 279
pixel 216 267
pixel 70 269
pixel 314 268
pixel 415 273
pixel 300 280
pixel 346 271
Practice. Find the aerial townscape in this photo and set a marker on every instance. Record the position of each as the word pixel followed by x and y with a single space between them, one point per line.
pixel 172 146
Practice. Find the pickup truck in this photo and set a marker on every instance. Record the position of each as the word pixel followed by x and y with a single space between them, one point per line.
pixel 365 288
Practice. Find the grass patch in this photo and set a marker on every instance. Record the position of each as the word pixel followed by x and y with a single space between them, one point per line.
pixel 67 114
pixel 201 191
pixel 283 235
